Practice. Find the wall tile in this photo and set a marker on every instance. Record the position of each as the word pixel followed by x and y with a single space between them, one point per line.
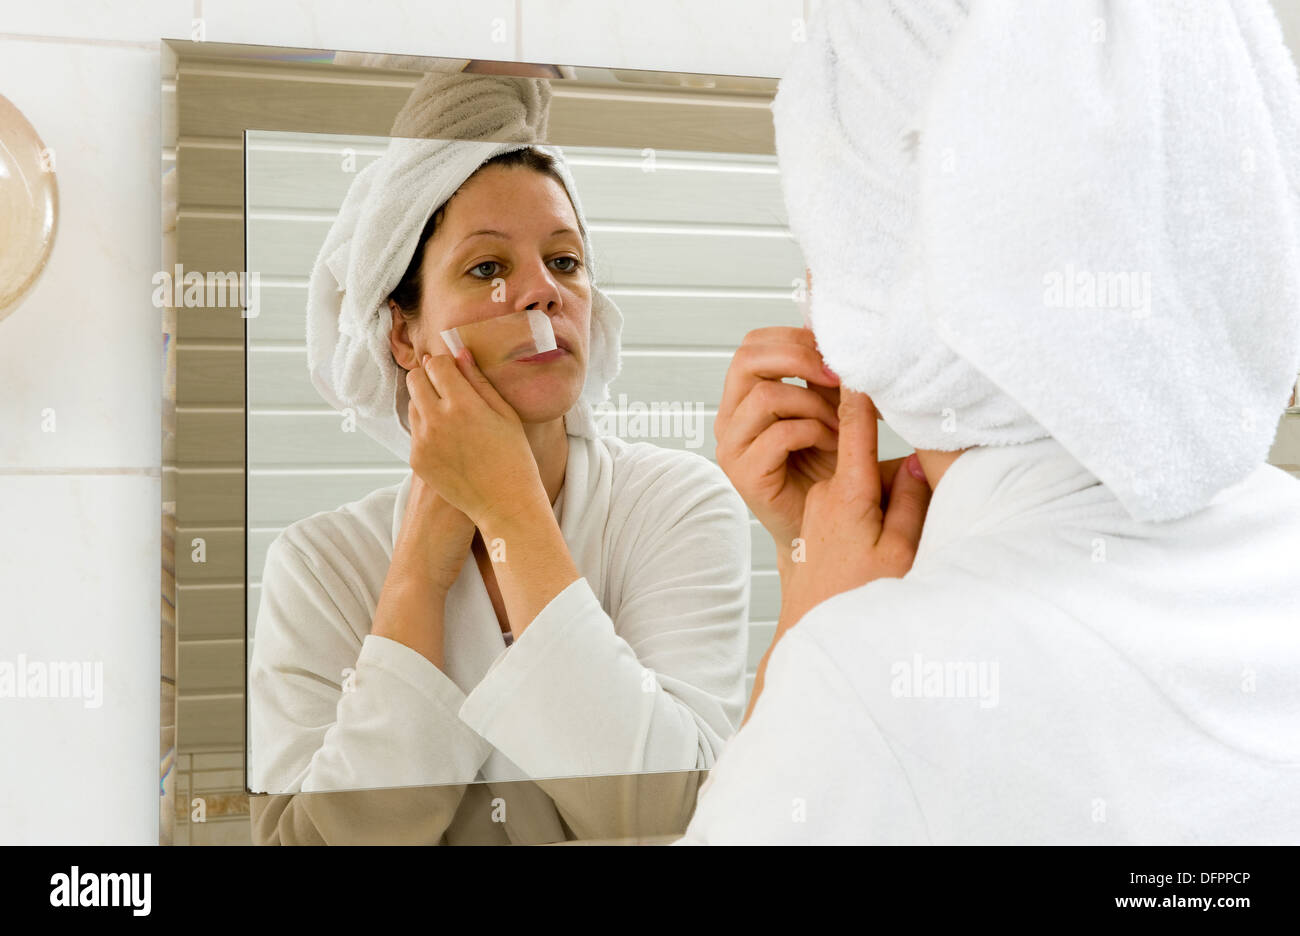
pixel 119 20
pixel 1288 14
pixel 483 29
pixel 79 575
pixel 729 37
pixel 86 342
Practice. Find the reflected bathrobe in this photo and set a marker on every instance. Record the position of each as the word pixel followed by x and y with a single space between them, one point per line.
pixel 1049 671
pixel 637 666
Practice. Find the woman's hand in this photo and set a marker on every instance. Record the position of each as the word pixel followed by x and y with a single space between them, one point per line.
pixel 775 440
pixel 859 525
pixel 851 536
pixel 431 548
pixel 435 536
pixel 467 442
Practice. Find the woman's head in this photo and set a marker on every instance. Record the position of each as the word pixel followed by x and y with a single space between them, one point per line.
pixel 533 258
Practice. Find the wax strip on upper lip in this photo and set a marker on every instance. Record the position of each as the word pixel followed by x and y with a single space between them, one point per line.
pixel 543 333
pixel 510 336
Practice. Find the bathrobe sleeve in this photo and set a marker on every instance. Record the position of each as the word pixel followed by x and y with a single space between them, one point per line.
pixel 810 767
pixel 390 722
pixel 659 689
pixel 406 816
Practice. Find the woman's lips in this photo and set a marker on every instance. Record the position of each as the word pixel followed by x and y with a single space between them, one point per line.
pixel 543 357
pixel 562 347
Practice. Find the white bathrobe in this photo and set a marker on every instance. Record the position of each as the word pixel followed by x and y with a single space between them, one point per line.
pixel 1049 671
pixel 638 666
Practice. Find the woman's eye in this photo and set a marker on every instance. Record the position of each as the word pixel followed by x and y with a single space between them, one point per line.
pixel 573 263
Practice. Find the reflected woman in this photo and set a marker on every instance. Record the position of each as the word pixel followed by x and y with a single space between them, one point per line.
pixel 534 600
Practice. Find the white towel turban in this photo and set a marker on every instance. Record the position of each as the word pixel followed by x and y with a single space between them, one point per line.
pixel 372 240
pixel 968 182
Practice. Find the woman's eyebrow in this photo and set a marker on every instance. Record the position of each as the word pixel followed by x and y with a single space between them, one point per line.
pixel 503 234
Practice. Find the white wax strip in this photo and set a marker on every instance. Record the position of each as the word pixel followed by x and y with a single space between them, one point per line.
pixel 452 340
pixel 543 333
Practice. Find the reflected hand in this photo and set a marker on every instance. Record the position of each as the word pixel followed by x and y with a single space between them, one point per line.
pixel 775 439
pixel 435 536
pixel 467 442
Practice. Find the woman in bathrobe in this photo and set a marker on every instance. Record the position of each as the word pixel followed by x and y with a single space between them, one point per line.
pixel 1073 616
pixel 531 603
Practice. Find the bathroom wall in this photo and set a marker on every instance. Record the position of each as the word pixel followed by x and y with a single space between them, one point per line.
pixel 79 505
pixel 79 495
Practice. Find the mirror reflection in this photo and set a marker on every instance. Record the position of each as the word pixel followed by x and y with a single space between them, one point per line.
pixel 520 567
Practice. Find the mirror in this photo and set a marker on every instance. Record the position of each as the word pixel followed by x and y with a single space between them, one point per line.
pixel 644 664
pixel 677 180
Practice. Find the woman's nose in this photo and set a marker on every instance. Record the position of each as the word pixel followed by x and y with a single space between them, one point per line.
pixel 538 289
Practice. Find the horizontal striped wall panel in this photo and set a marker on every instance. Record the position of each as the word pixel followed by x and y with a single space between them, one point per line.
pixel 223 102
pixel 209 436
pixel 631 254
pixel 314 173
pixel 209 242
pixel 208 611
pixel 688 318
pixel 319 438
pixel 278 377
pixel 212 665
pixel 210 173
pixel 259 540
pixel 210 721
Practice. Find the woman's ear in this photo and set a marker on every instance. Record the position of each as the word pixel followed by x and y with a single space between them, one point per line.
pixel 399 338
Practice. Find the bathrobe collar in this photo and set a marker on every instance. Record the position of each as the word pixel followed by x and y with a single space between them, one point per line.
pixel 987 486
pixel 473 636
pixel 473 643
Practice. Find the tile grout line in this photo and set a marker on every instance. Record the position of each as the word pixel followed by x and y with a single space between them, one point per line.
pixel 150 472
pixel 83 40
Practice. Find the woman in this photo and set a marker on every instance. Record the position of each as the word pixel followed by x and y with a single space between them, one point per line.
pixel 600 628
pixel 1057 248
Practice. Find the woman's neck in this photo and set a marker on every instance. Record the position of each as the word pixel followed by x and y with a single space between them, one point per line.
pixel 550 445
pixel 935 464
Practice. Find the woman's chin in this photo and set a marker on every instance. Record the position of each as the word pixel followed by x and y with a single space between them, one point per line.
pixel 541 400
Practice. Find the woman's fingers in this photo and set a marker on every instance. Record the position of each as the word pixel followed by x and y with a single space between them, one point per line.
pixel 767 454
pixel 857 464
pixel 771 358
pixel 909 500
pixel 773 400
pixel 422 391
pixel 444 375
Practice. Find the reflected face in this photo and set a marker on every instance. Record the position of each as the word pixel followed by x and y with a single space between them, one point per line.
pixel 508 241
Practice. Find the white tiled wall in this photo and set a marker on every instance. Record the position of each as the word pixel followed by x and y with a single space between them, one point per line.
pixel 79 507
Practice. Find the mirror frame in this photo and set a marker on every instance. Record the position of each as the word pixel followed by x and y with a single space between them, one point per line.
pixel 211 94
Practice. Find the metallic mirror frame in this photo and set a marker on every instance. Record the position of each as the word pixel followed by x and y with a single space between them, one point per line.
pixel 211 94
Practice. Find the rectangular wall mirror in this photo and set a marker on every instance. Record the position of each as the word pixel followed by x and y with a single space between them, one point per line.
pixel 683 209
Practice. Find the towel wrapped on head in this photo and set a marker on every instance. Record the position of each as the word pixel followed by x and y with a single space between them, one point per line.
pixel 1078 219
pixel 461 121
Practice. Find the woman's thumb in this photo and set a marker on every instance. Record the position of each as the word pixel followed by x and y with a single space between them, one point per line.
pixel 909 500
